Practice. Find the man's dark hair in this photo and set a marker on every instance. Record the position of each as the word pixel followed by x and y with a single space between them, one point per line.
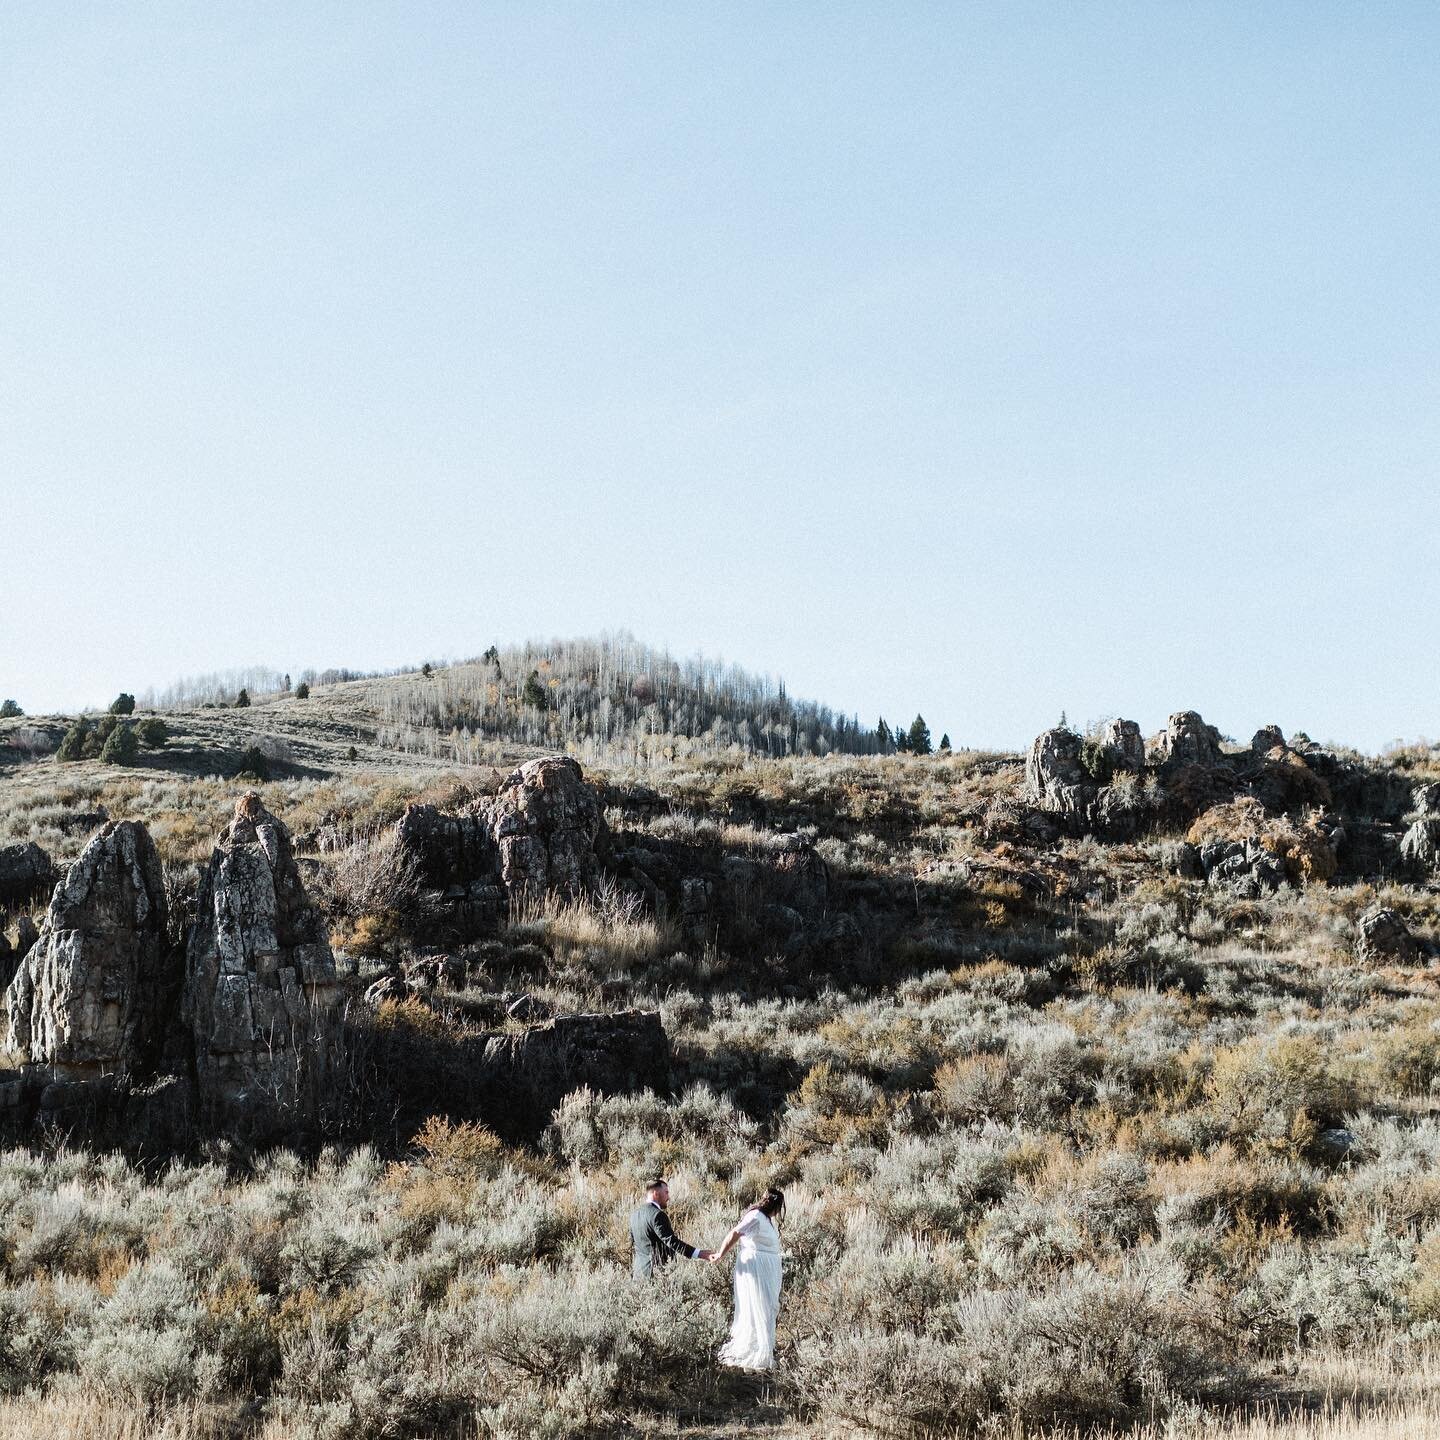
pixel 655 1183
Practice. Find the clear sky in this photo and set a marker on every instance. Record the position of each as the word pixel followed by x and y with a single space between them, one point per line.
pixel 980 359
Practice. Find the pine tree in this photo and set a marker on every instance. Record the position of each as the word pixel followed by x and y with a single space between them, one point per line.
pixel 882 734
pixel 535 693
pixel 919 736
pixel 242 700
pixel 123 704
pixel 302 691
pixel 945 744
pixel 10 711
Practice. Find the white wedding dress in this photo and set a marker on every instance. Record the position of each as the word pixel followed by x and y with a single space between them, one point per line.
pixel 751 1345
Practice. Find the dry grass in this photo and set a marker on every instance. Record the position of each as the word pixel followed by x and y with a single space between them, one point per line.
pixel 610 926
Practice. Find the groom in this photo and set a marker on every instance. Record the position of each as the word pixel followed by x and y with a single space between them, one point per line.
pixel 656 1242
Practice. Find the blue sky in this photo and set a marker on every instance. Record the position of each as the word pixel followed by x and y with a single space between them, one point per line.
pixel 985 360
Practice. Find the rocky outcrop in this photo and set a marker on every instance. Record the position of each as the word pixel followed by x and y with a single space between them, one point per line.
pixel 450 849
pixel 96 993
pixel 1266 739
pixel 1124 745
pixel 1382 937
pixel 1245 867
pixel 1187 740
pixel 527 1074
pixel 261 992
pixel 1055 777
pixel 539 834
pixel 546 822
pixel 25 872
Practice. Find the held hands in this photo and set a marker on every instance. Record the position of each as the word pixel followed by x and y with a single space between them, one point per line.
pixel 705 1255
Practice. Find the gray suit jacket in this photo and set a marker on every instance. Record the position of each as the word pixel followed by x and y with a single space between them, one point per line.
pixel 655 1240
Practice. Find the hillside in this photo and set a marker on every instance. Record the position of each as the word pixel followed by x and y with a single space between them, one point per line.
pixel 1101 1082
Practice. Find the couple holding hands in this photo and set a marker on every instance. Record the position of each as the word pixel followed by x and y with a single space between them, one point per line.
pixel 751 1345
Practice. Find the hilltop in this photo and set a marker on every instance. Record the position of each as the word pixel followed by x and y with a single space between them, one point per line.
pixel 607 701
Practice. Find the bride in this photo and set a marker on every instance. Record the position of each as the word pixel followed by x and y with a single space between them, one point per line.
pixel 751 1345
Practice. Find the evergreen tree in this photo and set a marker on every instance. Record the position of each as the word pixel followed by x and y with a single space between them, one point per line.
pixel 72 747
pixel 882 734
pixel 153 732
pixel 302 691
pixel 121 747
pixel 945 744
pixel 534 692
pixel 242 700
pixel 919 736
pixel 425 670
pixel 123 704
pixel 902 741
pixel 286 686
pixel 10 711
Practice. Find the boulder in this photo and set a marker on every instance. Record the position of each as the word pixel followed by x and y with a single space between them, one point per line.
pixel 1382 937
pixel 1245 867
pixel 1426 801
pixel 388 987
pixel 261 993
pixel 96 992
pixel 25 871
pixel 435 971
pixel 546 822
pixel 1188 740
pixel 1420 846
pixel 1125 745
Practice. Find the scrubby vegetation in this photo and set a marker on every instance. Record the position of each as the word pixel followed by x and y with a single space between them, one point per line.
pixel 1070 1137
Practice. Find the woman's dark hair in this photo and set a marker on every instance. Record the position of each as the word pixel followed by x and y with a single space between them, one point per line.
pixel 772 1204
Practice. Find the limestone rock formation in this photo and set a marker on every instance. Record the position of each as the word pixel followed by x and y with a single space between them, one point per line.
pixel 546 822
pixel 261 993
pixel 96 992
pixel 1188 740
pixel 1382 937
pixel 25 871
